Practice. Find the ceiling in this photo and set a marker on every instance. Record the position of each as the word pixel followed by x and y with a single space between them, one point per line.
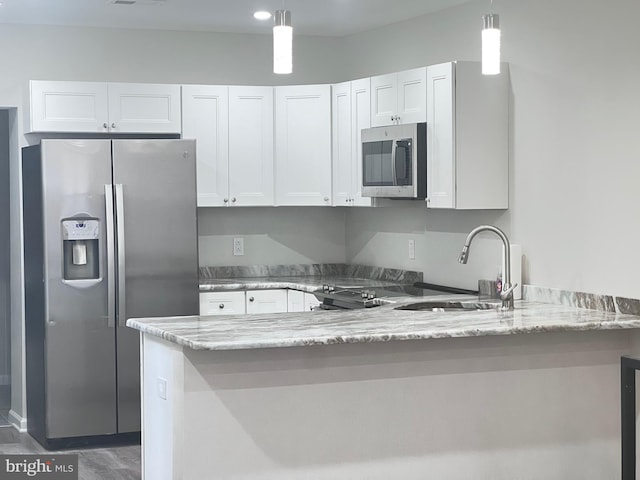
pixel 309 17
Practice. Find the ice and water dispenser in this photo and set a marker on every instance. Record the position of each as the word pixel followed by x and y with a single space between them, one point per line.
pixel 81 258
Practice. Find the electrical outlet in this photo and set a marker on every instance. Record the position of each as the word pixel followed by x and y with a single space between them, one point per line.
pixel 238 246
pixel 162 388
pixel 412 249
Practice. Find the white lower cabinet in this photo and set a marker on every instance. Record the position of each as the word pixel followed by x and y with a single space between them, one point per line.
pixel 256 301
pixel 295 301
pixel 222 303
pixel 310 301
pixel 266 301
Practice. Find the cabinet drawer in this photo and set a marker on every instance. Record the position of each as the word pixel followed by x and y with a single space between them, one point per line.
pixel 222 303
pixel 266 301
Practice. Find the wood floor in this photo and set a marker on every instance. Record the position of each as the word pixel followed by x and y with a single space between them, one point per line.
pixel 115 463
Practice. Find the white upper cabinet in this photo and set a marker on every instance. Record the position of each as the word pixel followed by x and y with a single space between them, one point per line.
pixel 233 129
pixel 251 146
pixel 351 112
pixel 467 123
pixel 68 107
pixel 97 107
pixel 205 118
pixel 303 145
pixel 399 97
pixel 144 108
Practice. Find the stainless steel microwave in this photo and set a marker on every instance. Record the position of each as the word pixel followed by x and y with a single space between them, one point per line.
pixel 394 161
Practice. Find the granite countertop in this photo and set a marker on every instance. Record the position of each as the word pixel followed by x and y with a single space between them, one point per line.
pixel 379 324
pixel 308 283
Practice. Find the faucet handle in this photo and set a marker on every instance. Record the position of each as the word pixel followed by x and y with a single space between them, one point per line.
pixel 507 291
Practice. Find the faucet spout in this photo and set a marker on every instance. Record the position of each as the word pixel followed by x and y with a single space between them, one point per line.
pixel 507 289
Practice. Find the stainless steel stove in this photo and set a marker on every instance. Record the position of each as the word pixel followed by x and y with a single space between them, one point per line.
pixel 337 298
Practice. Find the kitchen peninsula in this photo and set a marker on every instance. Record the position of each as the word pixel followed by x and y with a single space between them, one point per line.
pixel 527 394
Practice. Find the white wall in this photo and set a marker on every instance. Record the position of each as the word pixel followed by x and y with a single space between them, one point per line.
pixel 272 235
pixel 574 201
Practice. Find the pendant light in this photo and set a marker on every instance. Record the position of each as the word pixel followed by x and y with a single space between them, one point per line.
pixel 491 44
pixel 282 42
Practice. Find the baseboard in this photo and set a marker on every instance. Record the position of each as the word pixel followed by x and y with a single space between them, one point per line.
pixel 5 379
pixel 17 421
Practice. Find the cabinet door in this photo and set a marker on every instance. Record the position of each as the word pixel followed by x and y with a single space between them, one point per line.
pixel 251 146
pixel 205 116
pixel 310 301
pixel 342 144
pixel 222 303
pixel 441 166
pixel 144 108
pixel 303 145
pixel 360 118
pixel 266 301
pixel 384 99
pixel 68 107
pixel 412 95
pixel 295 301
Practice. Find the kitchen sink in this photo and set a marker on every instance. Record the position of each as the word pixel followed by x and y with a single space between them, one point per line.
pixel 441 306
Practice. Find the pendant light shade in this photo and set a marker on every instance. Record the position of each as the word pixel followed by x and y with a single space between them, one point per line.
pixel 282 42
pixel 491 45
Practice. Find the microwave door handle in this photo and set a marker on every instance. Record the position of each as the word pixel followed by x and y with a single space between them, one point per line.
pixel 394 149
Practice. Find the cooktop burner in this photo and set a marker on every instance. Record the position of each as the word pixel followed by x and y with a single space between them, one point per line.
pixel 333 297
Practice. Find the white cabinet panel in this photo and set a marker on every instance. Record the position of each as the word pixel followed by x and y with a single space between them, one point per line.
pixel 68 107
pixel 251 146
pixel 144 108
pixel 441 135
pixel 295 301
pixel 398 98
pixel 384 99
pixel 205 119
pixel 310 301
pixel 468 115
pixel 222 303
pixel 90 107
pixel 303 145
pixel 360 118
pixel 342 144
pixel 351 112
pixel 412 95
pixel 266 301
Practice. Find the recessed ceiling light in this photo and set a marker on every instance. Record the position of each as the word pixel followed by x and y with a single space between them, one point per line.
pixel 262 15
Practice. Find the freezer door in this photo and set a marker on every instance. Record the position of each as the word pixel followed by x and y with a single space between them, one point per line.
pixel 80 374
pixel 157 245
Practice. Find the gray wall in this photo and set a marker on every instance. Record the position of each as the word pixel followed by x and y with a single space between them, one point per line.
pixel 5 255
pixel 272 236
pixel 575 151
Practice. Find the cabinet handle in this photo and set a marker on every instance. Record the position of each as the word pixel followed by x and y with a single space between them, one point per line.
pixel 326 199
pixel 251 299
pixel 113 125
pixel 221 305
pixel 233 200
pixel 105 125
pixel 226 200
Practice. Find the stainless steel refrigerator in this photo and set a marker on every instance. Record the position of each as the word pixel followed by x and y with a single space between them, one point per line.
pixel 110 233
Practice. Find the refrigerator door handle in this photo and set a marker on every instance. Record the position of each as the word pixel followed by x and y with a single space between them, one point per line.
pixel 122 310
pixel 111 255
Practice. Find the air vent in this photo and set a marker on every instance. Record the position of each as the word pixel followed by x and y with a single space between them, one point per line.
pixel 137 2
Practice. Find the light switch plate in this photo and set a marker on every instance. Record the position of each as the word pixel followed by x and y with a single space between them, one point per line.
pixel 162 388
pixel 412 249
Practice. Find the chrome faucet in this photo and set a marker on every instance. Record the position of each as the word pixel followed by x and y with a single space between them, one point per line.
pixel 506 295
